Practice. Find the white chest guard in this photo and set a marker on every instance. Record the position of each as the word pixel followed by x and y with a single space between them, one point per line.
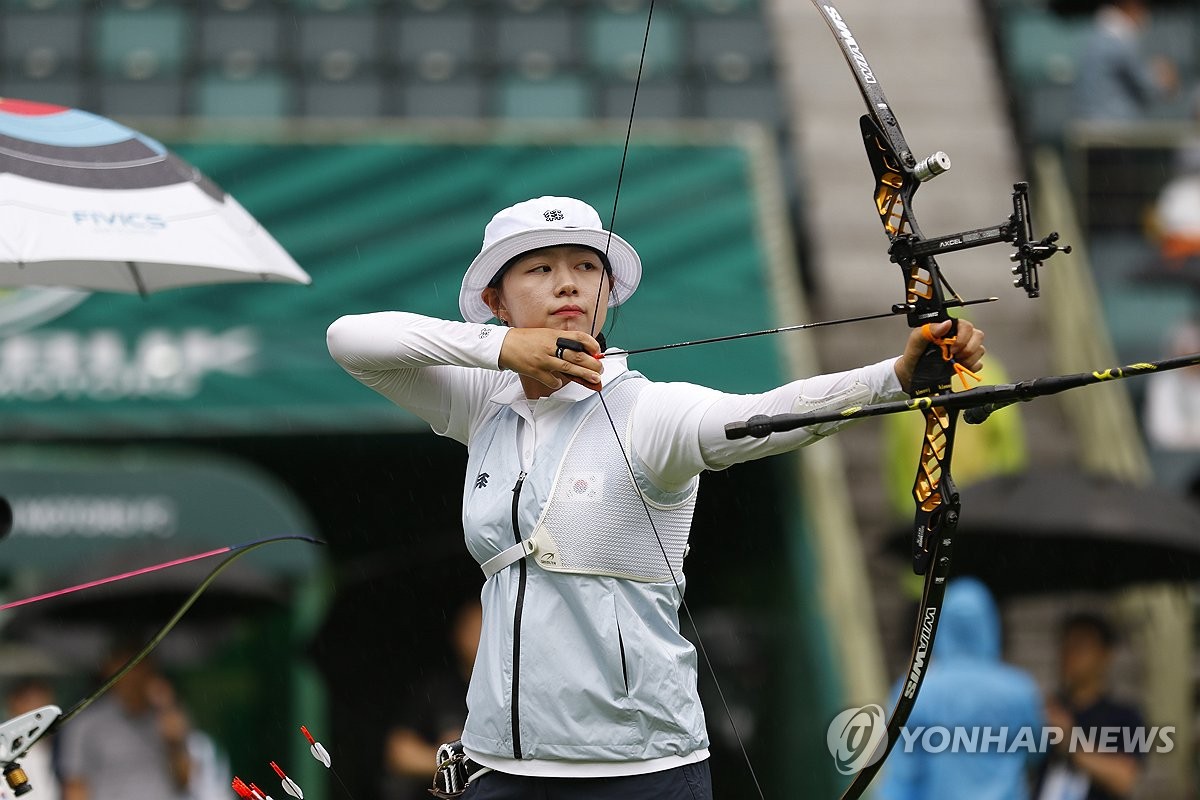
pixel 593 521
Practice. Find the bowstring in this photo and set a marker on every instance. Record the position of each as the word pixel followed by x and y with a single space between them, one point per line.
pixel 612 423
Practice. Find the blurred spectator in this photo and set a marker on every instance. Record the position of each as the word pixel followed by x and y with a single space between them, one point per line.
pixel 967 685
pixel 210 775
pixel 1071 773
pixel 436 714
pixel 23 696
pixel 1116 81
pixel 132 743
pixel 1172 411
pixel 1176 219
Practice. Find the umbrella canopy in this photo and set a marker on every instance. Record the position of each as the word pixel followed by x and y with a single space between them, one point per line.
pixel 91 204
pixel 1061 530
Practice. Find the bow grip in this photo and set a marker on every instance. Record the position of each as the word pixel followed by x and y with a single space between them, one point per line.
pixel 934 371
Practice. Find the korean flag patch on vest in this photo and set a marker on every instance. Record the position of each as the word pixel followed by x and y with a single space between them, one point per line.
pixel 584 487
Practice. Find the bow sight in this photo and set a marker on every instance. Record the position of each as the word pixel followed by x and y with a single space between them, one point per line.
pixel 898 175
pixel 1016 230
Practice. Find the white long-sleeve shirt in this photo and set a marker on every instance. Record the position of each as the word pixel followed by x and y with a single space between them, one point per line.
pixel 447 373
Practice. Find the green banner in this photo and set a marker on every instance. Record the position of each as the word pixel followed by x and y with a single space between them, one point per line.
pixel 380 226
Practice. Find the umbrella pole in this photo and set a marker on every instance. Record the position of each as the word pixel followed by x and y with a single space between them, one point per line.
pixel 137 279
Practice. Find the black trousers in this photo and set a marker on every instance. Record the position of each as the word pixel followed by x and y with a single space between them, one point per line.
pixel 690 782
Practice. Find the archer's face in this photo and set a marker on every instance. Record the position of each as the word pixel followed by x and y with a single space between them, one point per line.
pixel 555 287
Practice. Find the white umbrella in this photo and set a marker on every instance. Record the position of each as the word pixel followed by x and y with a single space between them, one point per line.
pixel 90 204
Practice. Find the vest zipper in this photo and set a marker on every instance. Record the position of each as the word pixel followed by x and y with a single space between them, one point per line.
pixel 516 675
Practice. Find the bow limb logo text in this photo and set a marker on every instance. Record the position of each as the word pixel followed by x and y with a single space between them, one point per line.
pixel 918 664
pixel 868 75
pixel 857 738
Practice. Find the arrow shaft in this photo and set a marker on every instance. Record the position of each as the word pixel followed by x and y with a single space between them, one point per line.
pixel 900 311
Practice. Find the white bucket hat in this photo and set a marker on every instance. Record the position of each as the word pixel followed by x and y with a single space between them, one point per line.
pixel 538 223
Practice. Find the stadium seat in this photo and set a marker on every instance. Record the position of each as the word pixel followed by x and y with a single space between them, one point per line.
pixel 436 46
pixel 632 7
pixel 537 45
pixel 332 6
pixel 337 46
pixel 1048 108
pixel 63 92
pixel 757 100
pixel 240 44
pixel 262 96
pixel 719 6
pixel 656 100
pixel 41 46
pixel 614 44
pixel 1173 34
pixel 141 45
pixel 452 99
pixel 356 98
pixel 235 6
pixel 434 6
pixel 152 98
pixel 38 6
pixel 731 49
pixel 562 97
pixel 1043 48
pixel 523 6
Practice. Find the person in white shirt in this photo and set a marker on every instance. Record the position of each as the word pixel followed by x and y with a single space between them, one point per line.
pixel 583 685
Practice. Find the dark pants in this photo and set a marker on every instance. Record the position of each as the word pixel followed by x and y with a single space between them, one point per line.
pixel 690 782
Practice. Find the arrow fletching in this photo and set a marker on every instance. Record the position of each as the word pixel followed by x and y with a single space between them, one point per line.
pixel 259 794
pixel 289 785
pixel 317 749
pixel 242 789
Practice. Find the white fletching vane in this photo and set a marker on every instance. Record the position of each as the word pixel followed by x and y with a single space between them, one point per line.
pixel 321 754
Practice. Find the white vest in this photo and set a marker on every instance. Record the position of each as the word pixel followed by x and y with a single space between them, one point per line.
pixel 594 522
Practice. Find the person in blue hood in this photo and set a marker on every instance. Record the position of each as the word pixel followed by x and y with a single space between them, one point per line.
pixel 969 693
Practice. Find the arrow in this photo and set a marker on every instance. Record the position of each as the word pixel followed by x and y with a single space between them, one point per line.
pixel 897 310
pixel 318 750
pixel 289 785
pixel 248 792
pixel 321 754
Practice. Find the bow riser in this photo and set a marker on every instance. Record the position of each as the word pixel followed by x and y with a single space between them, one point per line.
pixel 894 189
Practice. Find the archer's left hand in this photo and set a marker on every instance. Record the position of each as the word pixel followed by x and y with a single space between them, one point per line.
pixel 967 349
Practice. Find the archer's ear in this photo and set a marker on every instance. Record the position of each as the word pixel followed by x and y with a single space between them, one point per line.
pixel 491 298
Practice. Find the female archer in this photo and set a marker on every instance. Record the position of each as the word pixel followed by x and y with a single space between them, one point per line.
pixel 577 503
